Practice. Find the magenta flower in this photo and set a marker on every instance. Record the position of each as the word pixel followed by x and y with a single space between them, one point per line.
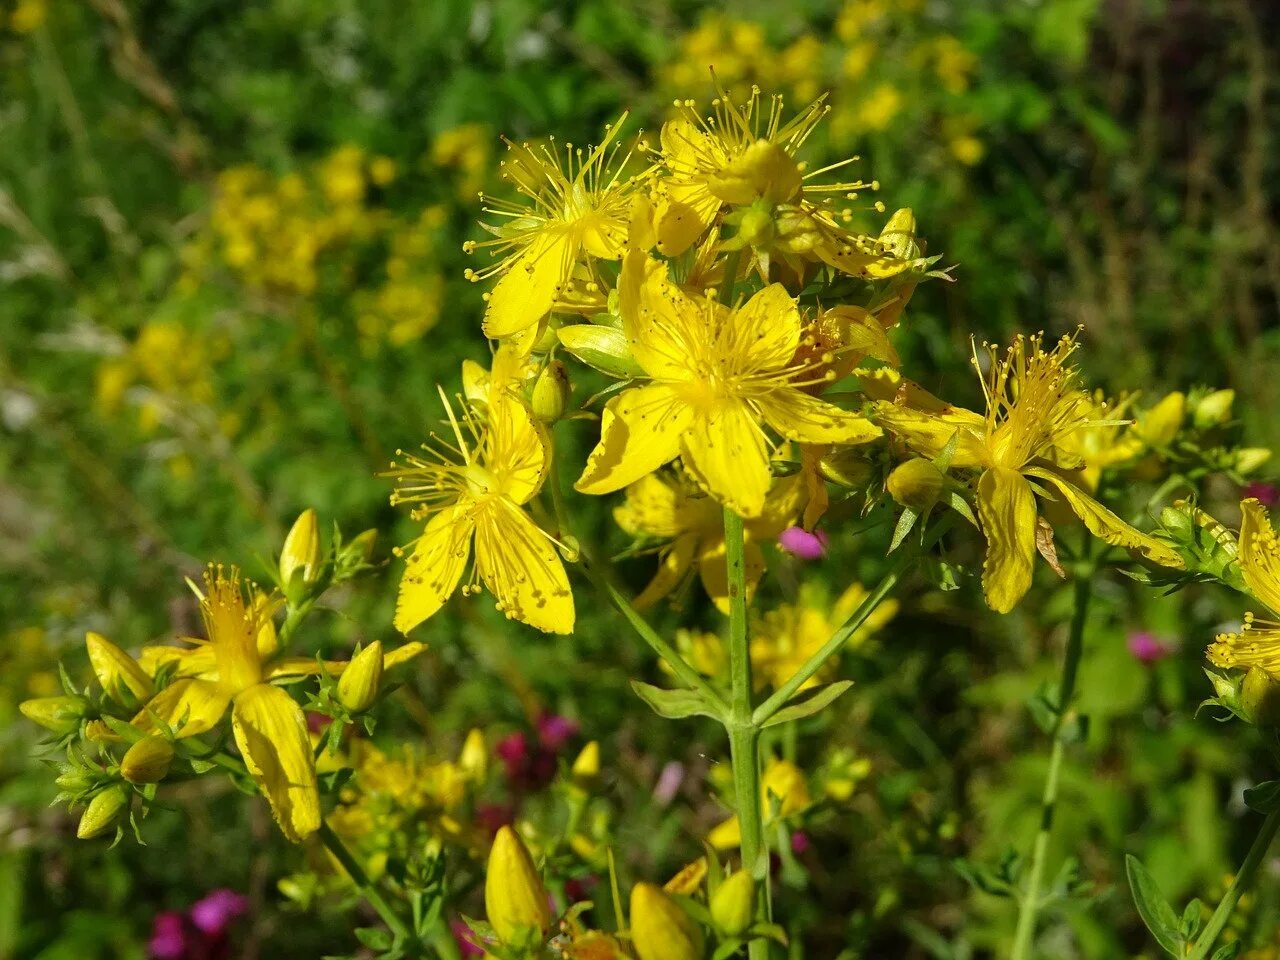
pixel 554 731
pixel 1147 647
pixel 168 936
pixel 214 912
pixel 1268 494
pixel 799 842
pixel 802 544
pixel 468 946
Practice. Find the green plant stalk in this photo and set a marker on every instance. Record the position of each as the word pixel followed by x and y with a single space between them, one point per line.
pixel 1029 906
pixel 1243 879
pixel 744 732
pixel 372 895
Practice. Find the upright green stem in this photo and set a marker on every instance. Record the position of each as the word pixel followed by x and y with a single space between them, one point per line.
pixel 367 888
pixel 1029 907
pixel 1244 878
pixel 744 733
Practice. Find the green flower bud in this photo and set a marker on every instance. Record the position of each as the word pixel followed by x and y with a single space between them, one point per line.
pixel 1249 459
pixel 551 392
pixel 515 901
pixel 358 685
pixel 147 761
pixel 916 484
pixel 73 780
pixel 121 676
pixel 604 348
pixel 733 905
pixel 301 551
pixel 661 929
pixel 1214 409
pixel 755 226
pixel 59 714
pixel 104 812
pixel 1177 522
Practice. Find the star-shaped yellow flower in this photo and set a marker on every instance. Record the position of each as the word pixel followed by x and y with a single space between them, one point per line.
pixel 476 490
pixel 1032 405
pixel 719 375
pixel 1257 643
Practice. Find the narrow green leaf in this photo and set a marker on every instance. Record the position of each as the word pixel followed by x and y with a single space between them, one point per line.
pixel 1153 907
pixel 809 703
pixel 1263 797
pixel 674 704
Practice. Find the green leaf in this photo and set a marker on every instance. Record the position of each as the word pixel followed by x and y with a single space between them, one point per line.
pixel 375 938
pixel 674 704
pixel 983 878
pixel 1263 797
pixel 1191 918
pixel 809 703
pixel 604 348
pixel 1228 951
pixel 1153 907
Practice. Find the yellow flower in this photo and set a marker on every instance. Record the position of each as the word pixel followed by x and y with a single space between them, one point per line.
pixel 879 108
pixel 574 205
pixel 691 531
pixel 718 375
pixel 736 156
pixel 477 490
pixel 269 726
pixel 783 791
pixel 1257 644
pixel 787 636
pixel 1031 406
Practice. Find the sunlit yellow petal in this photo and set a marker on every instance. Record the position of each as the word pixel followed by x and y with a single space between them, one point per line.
pixel 765 331
pixel 1007 508
pixel 650 509
pixel 1260 554
pixel 1105 525
pixel 713 569
pixel 515 448
pixel 674 564
pixel 725 452
pixel 640 431
pixel 190 707
pixel 685 210
pixel 184 662
pixel 435 567
pixel 522 568
pixel 271 732
pixel 798 416
pixel 528 289
pixel 929 433
pixel 662 324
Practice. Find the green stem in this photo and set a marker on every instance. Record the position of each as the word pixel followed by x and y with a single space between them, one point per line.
pixel 743 730
pixel 1029 906
pixel 842 634
pixel 367 888
pixel 1243 879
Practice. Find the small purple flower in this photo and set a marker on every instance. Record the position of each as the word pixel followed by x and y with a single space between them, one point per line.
pixel 669 781
pixel 467 944
pixel 168 936
pixel 554 731
pixel 1147 647
pixel 1268 494
pixel 799 842
pixel 802 544
pixel 212 913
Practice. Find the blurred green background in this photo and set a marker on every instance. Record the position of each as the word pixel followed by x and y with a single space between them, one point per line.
pixel 231 276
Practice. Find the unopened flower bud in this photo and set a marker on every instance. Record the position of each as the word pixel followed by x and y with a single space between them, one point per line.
pixel 1177 522
pixel 473 759
pixel 358 685
pixel 1214 409
pixel 59 714
pixel 121 676
pixel 899 235
pixel 1249 459
pixel 147 761
pixel 551 392
pixel 103 812
pixel 661 929
pixel 1158 426
pixel 755 227
pixel 73 780
pixel 587 765
pixel 515 901
pixel 301 552
pixel 916 484
pixel 1260 698
pixel 734 903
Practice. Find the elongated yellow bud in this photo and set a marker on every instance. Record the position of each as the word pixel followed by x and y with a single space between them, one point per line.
pixel 103 812
pixel 916 484
pixel 147 761
pixel 660 927
pixel 121 676
pixel 301 551
pixel 1260 698
pixel 59 714
pixel 358 685
pixel 473 759
pixel 514 898
pixel 587 765
pixel 1214 409
pixel 551 392
pixel 734 904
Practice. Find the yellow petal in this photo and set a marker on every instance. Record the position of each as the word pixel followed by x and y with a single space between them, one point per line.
pixel 639 432
pixel 522 569
pixel 185 662
pixel 650 509
pixel 798 416
pixel 781 507
pixel 528 289
pixel 271 733
pixel 1106 526
pixel 673 565
pixel 435 567
pixel 120 675
pixel 1007 508
pixel 515 448
pixel 765 332
pixel 661 323
pixel 403 654
pixel 725 452
pixel 190 707
pixel 713 568
pixel 929 433
pixel 726 835
pixel 1259 554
